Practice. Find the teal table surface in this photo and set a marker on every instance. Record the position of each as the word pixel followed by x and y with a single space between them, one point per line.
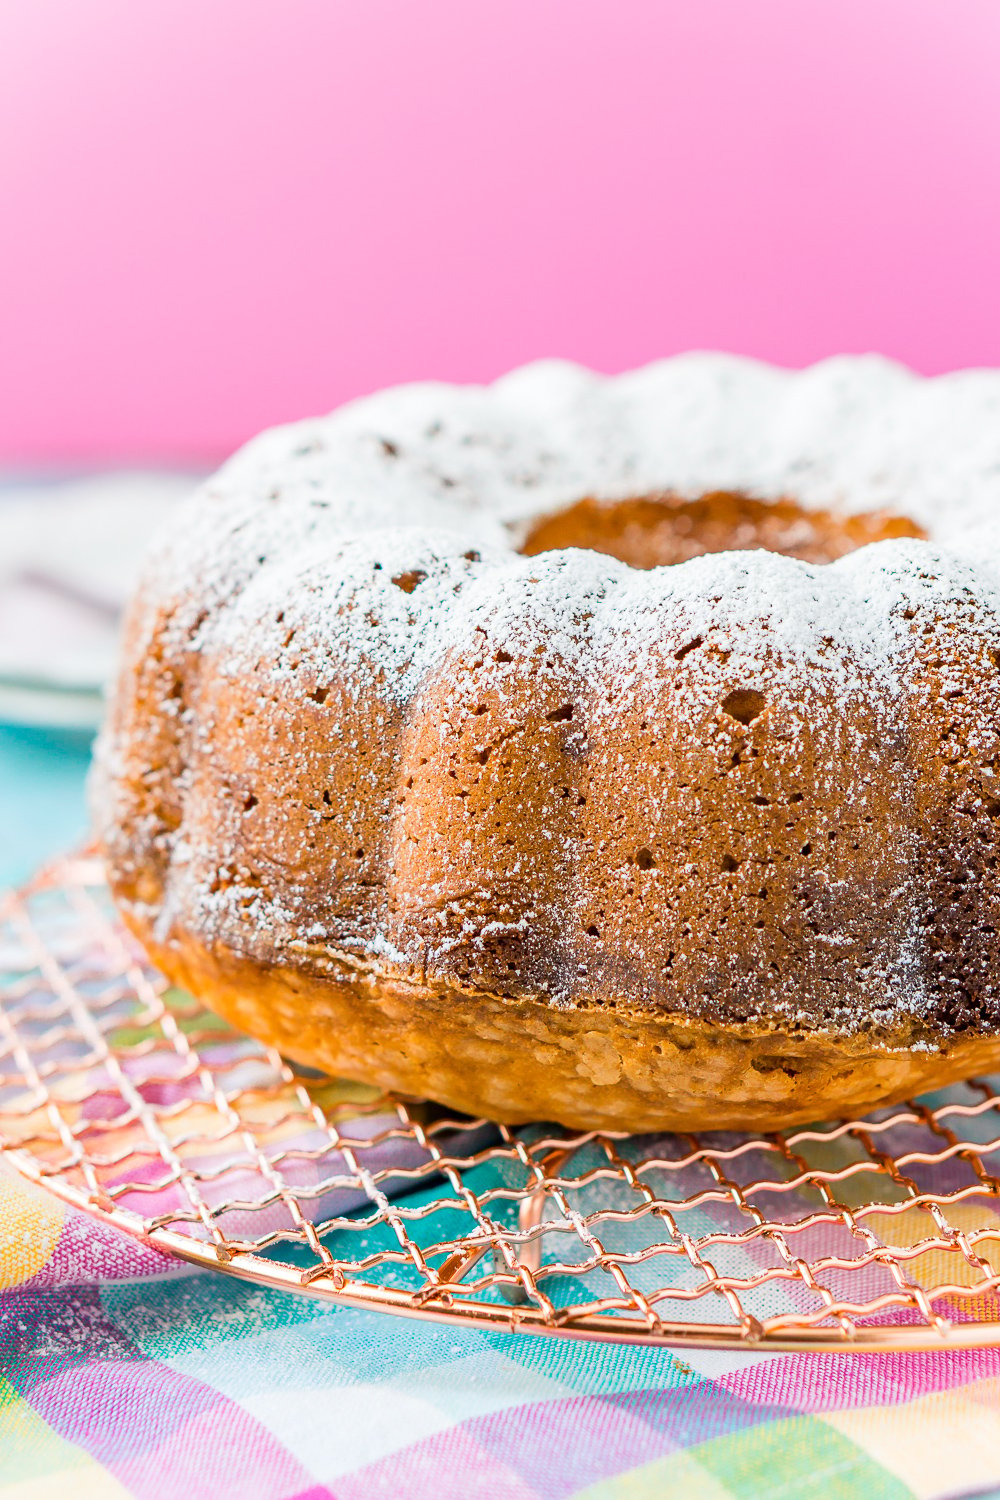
pixel 42 797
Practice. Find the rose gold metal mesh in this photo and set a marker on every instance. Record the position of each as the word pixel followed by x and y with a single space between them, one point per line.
pixel 134 1103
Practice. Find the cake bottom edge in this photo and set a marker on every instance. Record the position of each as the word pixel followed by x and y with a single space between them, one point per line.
pixel 517 1060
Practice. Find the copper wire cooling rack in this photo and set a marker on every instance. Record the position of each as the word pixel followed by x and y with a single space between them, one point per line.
pixel 132 1102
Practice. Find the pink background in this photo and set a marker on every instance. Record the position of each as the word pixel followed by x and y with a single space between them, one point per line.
pixel 223 213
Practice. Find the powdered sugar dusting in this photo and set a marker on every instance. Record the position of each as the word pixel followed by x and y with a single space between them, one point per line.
pixel 369 559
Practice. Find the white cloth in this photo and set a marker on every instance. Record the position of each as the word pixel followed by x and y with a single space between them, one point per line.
pixel 69 554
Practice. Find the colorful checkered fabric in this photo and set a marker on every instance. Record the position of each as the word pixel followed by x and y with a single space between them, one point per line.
pixel 124 1373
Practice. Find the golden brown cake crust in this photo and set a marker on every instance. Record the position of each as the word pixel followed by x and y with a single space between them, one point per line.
pixel 519 1060
pixel 550 836
pixel 662 530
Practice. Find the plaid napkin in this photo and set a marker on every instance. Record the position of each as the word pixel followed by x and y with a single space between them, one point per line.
pixel 122 1372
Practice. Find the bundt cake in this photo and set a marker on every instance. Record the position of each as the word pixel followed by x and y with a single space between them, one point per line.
pixel 423 766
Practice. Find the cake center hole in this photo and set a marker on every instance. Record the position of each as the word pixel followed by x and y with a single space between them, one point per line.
pixel 661 529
